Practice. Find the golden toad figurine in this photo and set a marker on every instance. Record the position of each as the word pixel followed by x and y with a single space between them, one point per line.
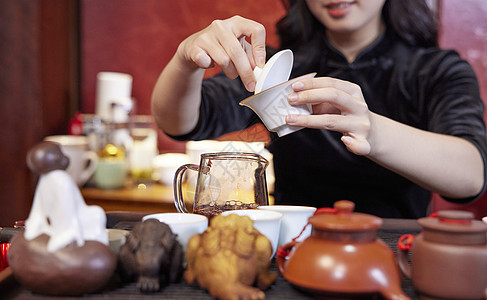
pixel 229 258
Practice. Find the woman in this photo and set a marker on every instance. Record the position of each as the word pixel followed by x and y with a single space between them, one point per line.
pixel 394 117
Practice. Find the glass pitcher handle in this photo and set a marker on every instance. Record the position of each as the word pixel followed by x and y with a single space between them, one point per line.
pixel 178 187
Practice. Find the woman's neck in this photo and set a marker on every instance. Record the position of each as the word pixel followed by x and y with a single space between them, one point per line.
pixel 350 44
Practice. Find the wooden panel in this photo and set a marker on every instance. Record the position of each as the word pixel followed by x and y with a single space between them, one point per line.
pixel 140 36
pixel 35 89
pixel 463 26
pixel 18 62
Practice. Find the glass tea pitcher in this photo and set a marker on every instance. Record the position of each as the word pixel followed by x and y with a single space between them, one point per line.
pixel 226 181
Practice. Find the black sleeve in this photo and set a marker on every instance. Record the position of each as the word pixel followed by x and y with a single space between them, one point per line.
pixel 454 106
pixel 220 112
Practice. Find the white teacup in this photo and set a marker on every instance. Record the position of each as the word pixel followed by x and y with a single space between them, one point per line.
pixel 293 221
pixel 116 238
pixel 82 161
pixel 184 225
pixel 272 106
pixel 165 166
pixel 266 222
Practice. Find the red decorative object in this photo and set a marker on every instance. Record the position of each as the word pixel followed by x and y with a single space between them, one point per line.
pixel 3 255
pixel 76 125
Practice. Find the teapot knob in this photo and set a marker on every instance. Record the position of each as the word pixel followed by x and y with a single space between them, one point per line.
pixel 344 206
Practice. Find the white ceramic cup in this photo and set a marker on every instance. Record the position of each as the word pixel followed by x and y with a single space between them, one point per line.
pixel 82 161
pixel 266 222
pixel 272 106
pixel 116 238
pixel 184 225
pixel 165 166
pixel 294 218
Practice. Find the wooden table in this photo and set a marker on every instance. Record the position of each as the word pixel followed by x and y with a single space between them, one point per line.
pixel 152 198
pixel 390 232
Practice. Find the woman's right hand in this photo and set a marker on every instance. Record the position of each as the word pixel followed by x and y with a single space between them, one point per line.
pixel 224 43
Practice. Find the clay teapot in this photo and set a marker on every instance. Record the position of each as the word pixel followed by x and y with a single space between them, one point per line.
pixel 449 258
pixel 342 257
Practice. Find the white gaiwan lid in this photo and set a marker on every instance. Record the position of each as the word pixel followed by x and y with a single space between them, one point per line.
pixel 276 71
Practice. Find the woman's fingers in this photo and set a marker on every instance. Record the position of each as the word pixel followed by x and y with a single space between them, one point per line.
pixel 354 129
pixel 356 144
pixel 257 40
pixel 334 122
pixel 247 47
pixel 338 106
pixel 322 98
pixel 254 52
pixel 327 82
pixel 256 33
pixel 206 54
pixel 223 43
pixel 237 60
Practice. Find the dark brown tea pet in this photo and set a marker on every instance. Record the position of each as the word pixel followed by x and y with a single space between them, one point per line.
pixel 229 258
pixel 151 255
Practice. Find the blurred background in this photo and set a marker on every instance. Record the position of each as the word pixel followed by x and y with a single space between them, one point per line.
pixel 52 50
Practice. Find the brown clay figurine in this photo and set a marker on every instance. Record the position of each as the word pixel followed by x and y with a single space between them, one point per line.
pixel 152 255
pixel 64 248
pixel 229 257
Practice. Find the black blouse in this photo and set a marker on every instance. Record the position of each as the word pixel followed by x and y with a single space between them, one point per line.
pixel 426 88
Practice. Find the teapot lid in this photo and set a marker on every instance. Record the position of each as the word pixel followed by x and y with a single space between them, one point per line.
pixel 342 218
pixel 453 221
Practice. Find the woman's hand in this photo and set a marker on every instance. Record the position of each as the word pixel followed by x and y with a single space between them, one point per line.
pixel 448 165
pixel 223 43
pixel 177 94
pixel 337 105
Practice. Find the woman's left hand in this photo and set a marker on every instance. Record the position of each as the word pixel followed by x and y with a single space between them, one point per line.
pixel 448 165
pixel 337 105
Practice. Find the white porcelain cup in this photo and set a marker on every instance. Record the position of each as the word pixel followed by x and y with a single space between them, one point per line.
pixel 294 218
pixel 184 225
pixel 116 238
pixel 82 161
pixel 166 165
pixel 266 222
pixel 272 106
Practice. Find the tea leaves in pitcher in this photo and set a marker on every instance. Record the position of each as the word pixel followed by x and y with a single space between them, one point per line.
pixel 211 210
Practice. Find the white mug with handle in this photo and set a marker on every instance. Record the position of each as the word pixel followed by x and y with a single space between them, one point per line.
pixel 82 161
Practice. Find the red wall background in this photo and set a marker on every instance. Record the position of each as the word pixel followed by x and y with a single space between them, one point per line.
pixel 140 36
pixel 463 26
